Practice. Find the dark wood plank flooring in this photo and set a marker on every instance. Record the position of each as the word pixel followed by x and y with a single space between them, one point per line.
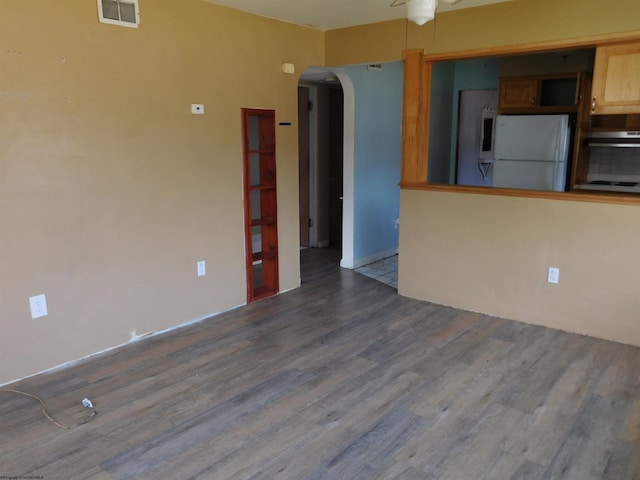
pixel 339 379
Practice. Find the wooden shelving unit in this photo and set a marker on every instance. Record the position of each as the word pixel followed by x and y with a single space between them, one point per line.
pixel 260 204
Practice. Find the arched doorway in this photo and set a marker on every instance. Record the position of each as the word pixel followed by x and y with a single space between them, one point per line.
pixel 326 129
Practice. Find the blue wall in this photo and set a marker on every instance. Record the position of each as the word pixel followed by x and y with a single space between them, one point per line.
pixel 447 81
pixel 475 74
pixel 378 144
pixel 442 83
pixel 378 155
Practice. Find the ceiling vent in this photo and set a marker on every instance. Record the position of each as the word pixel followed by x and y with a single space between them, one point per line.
pixel 119 12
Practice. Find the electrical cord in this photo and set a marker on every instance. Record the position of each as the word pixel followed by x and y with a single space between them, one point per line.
pixel 46 413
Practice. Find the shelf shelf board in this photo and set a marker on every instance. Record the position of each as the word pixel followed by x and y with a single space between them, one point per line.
pixel 263 256
pixel 262 221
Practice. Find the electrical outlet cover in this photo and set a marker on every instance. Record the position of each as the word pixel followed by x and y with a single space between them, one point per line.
pixel 202 268
pixel 38 306
pixel 554 275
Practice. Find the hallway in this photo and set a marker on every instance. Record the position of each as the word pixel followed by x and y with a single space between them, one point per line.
pixel 316 261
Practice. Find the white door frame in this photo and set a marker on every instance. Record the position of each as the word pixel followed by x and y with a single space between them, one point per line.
pixel 348 169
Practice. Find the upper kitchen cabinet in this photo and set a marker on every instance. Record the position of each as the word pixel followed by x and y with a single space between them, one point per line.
pixel 616 84
pixel 518 94
pixel 556 93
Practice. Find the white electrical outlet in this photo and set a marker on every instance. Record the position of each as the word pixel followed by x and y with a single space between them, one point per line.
pixel 197 108
pixel 38 306
pixel 554 275
pixel 202 268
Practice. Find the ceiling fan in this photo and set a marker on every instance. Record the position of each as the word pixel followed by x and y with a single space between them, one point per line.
pixel 421 11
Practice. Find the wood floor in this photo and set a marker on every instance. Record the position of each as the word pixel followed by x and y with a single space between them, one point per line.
pixel 339 379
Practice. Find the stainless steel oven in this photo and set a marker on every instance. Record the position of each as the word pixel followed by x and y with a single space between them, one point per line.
pixel 614 161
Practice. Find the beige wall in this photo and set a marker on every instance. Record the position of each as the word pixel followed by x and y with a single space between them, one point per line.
pixel 491 254
pixel 510 23
pixel 110 190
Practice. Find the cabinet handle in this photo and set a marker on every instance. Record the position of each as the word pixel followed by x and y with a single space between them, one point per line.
pixel 593 105
pixel 533 101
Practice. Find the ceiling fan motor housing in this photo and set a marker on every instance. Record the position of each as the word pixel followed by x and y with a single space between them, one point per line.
pixel 421 11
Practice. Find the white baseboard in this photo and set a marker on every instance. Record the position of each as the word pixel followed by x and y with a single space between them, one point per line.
pixel 134 338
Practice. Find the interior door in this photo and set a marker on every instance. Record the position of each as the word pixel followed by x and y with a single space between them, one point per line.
pixel 260 206
pixel 303 164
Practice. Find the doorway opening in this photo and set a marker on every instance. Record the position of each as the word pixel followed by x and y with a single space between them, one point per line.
pixel 376 139
pixel 321 143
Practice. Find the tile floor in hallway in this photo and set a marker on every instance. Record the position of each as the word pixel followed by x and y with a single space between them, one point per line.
pixel 385 270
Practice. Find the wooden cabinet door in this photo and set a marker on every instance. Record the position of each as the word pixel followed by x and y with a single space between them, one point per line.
pixel 616 79
pixel 518 94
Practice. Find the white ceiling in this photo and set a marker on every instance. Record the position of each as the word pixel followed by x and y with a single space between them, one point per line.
pixel 331 14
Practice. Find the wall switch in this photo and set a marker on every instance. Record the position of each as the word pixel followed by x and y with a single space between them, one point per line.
pixel 197 108
pixel 202 268
pixel 38 306
pixel 554 275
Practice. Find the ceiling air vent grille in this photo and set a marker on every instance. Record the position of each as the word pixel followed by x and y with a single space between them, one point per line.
pixel 119 12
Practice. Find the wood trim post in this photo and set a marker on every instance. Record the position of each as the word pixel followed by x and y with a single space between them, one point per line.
pixel 415 120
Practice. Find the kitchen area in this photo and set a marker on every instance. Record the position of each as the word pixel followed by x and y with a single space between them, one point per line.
pixel 558 121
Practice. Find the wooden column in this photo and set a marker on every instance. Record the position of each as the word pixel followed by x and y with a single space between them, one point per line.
pixel 415 119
